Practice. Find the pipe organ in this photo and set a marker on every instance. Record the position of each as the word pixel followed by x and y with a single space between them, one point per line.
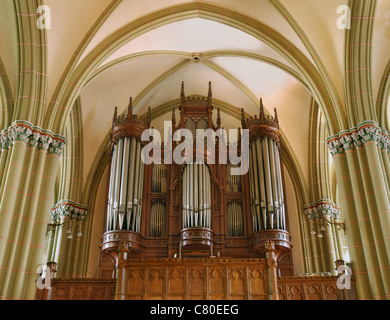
pixel 196 196
pixel 198 208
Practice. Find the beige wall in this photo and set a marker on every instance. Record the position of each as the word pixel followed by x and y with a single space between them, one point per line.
pixel 98 216
pixel 294 224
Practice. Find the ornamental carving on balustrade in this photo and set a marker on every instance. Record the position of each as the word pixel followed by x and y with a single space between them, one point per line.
pixel 313 291
pixel 61 293
pixel 294 291
pixel 177 274
pixel 217 274
pixel 196 274
pixel 135 274
pixel 236 274
pixel 256 274
pixel 282 292
pixel 156 274
pixel 80 293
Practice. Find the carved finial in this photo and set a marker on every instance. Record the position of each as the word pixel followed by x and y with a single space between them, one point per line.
pixel 173 118
pixel 219 118
pixel 182 94
pixel 210 94
pixel 243 117
pixel 130 109
pixel 276 118
pixel 262 113
pixel 149 116
pixel 115 117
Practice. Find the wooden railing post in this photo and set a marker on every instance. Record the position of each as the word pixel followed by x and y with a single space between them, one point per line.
pixel 121 280
pixel 272 270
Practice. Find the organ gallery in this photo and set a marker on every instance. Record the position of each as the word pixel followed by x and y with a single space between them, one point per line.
pixel 197 208
pixel 250 163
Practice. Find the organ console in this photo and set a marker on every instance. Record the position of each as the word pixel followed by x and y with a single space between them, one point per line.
pixel 197 209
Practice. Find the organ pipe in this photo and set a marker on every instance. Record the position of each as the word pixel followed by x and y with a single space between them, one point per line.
pixel 157 220
pixel 263 200
pixel 110 192
pixel 197 195
pixel 126 186
pixel 235 220
pixel 265 179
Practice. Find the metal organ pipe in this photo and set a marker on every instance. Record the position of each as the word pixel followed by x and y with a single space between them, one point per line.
pixel 126 186
pixel 266 189
pixel 268 184
pixel 252 193
pixel 124 179
pixel 280 187
pixel 111 187
pixel 184 192
pixel 265 179
pixel 137 172
pixel 187 194
pixel 255 181
pixel 263 200
pixel 196 199
pixel 275 183
pixel 141 187
pixel 196 196
pixel 204 190
pixel 130 190
pixel 201 193
pixel 117 184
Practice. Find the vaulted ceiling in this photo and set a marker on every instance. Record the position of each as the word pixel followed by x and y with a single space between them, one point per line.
pixel 167 42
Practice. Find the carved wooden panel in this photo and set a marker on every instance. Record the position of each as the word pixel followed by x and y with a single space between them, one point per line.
pixel 196 283
pixel 311 288
pixel 84 289
pixel 136 283
pixel 217 283
pixel 156 284
pixel 196 279
pixel 257 284
pixel 238 284
pixel 177 283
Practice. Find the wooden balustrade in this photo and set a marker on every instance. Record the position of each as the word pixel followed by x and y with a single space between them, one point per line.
pixel 313 288
pixel 197 279
pixel 79 289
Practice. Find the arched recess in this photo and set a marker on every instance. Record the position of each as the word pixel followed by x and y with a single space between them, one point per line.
pixel 99 166
pixel 69 189
pixel 328 249
pixel 382 104
pixel 74 82
pixel 185 60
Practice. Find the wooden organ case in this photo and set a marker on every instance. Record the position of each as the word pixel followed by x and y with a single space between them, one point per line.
pixel 198 209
